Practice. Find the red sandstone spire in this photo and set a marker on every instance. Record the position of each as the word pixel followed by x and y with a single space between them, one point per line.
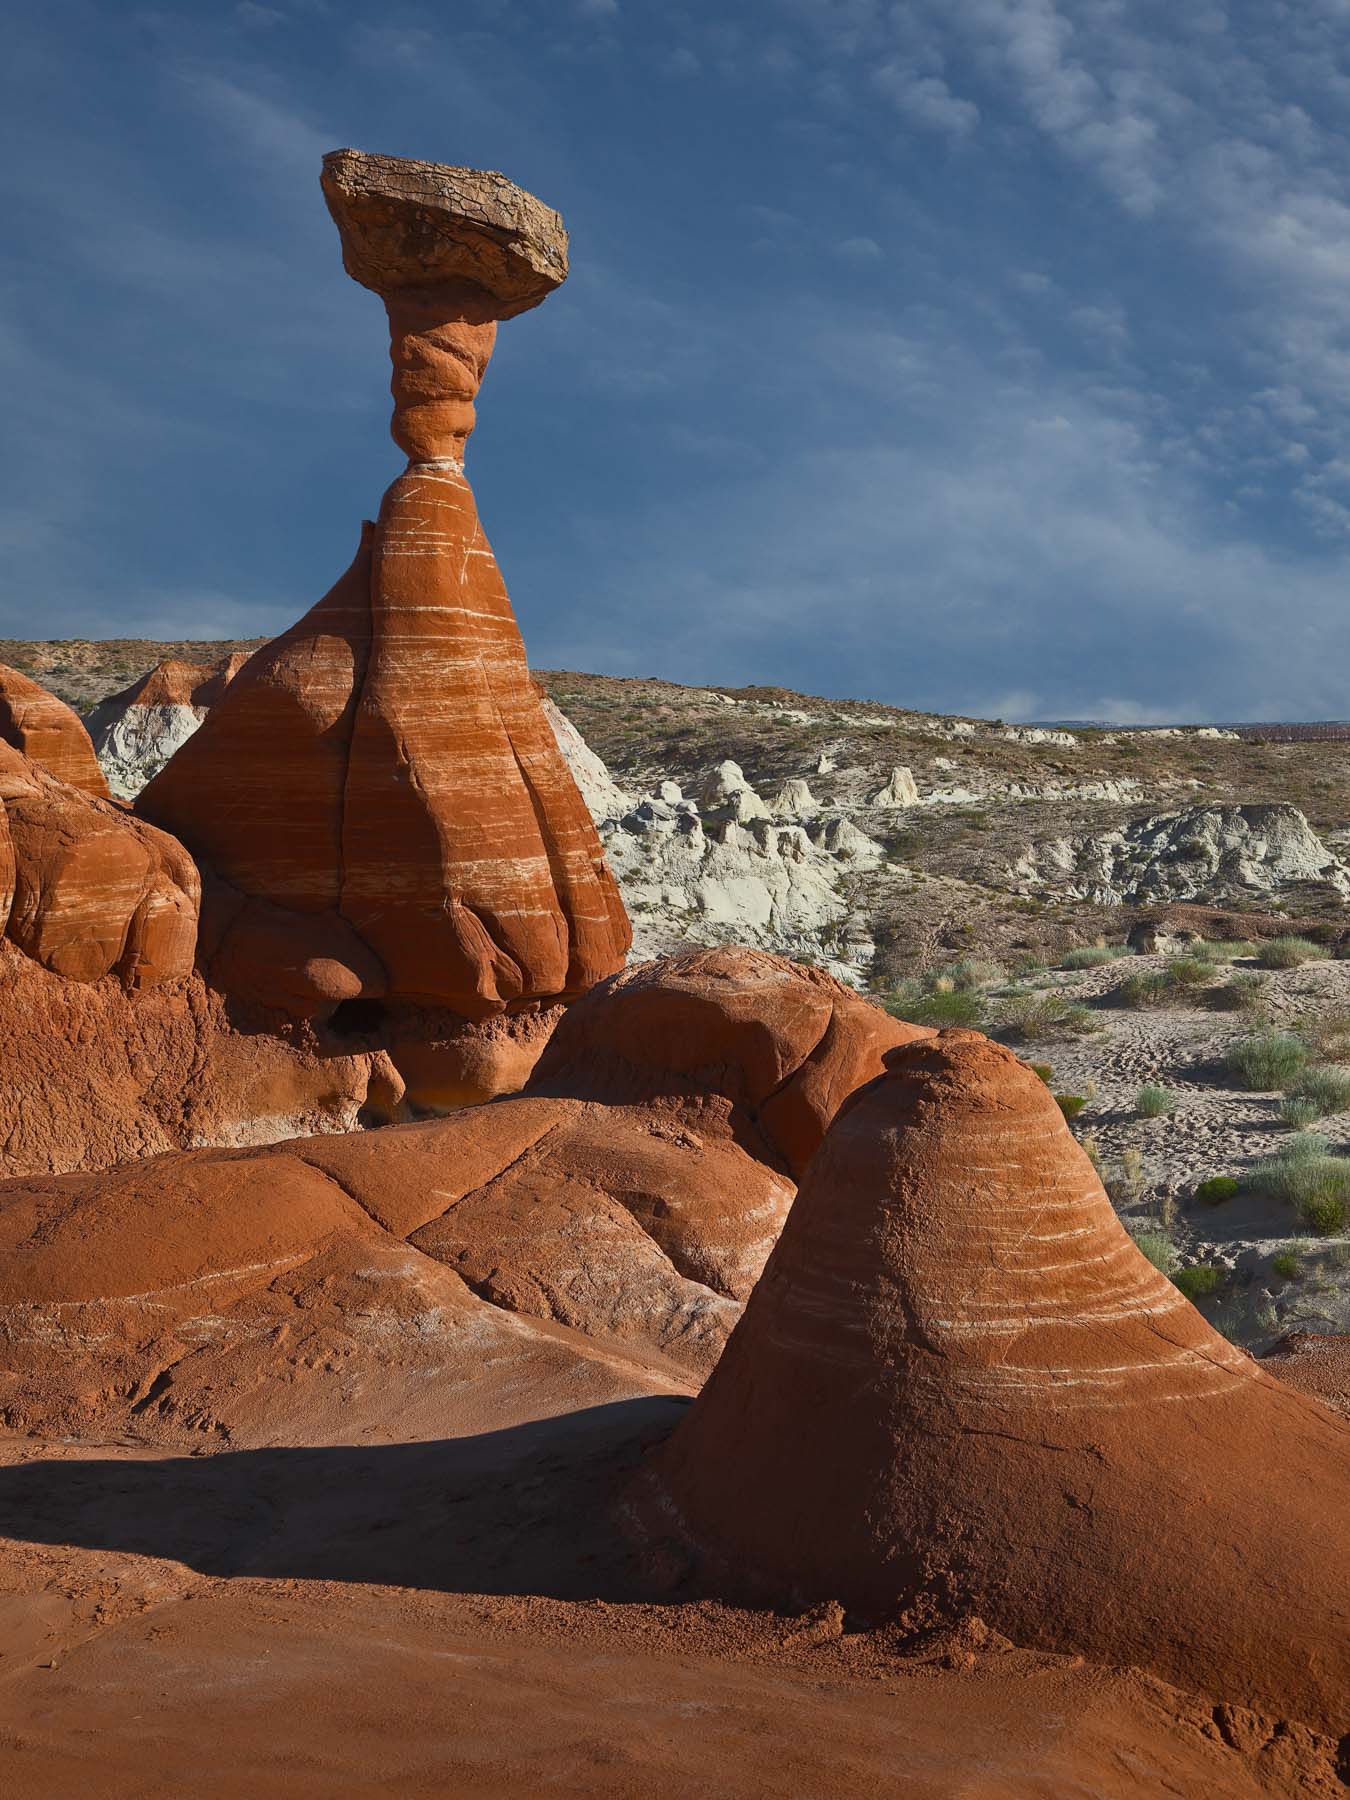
pixel 386 762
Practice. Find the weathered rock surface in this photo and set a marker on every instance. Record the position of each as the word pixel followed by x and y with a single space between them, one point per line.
pixel 425 840
pixel 85 889
pixel 632 1192
pixel 1204 853
pixel 45 730
pixel 135 732
pixel 958 1379
pixel 605 799
pixel 95 1075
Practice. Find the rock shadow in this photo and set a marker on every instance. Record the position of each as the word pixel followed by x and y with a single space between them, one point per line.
pixel 526 1511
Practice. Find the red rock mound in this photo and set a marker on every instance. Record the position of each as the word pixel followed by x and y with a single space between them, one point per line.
pixel 379 787
pixel 959 1389
pixel 45 729
pixel 638 1209
pixel 85 889
pixel 785 1043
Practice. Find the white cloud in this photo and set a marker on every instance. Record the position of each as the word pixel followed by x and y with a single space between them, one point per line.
pixel 927 101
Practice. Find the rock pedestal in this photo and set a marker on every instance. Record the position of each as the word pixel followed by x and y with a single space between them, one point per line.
pixel 379 792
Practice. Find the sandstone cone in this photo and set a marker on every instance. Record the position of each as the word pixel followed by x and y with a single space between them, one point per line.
pixel 959 1389
pixel 385 765
pixel 46 730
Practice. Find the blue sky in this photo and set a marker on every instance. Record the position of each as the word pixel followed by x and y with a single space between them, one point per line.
pixel 981 355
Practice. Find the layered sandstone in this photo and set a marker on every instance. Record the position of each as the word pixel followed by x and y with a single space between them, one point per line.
pixel 378 792
pixel 85 889
pixel 959 1390
pixel 631 1193
pixel 45 729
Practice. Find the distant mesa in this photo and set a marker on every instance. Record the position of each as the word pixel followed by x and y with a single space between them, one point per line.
pixel 960 1391
pixel 378 796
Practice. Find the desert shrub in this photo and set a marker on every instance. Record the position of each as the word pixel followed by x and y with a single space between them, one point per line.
pixel 1157 1246
pixel 1266 1060
pixel 935 1006
pixel 1286 1265
pixel 1244 991
pixel 1189 972
pixel 1325 1087
pixel 1125 1183
pixel 1028 964
pixel 1307 1177
pixel 1092 956
pixel 1152 1101
pixel 1092 1149
pixel 970 975
pixel 1046 1073
pixel 1325 1213
pixel 1223 951
pixel 1329 1035
pixel 1146 987
pixel 1197 1281
pixel 1028 1017
pixel 1288 952
pixel 1071 1104
pixel 1215 1190
pixel 1299 1113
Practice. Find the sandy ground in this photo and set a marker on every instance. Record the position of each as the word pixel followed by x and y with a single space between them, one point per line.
pixel 459 1618
pixel 1215 1129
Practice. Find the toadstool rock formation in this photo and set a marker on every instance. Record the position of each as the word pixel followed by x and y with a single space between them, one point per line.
pixel 378 792
pixel 45 729
pixel 959 1390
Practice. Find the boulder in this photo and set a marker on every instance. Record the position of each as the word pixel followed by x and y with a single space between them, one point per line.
pixel 85 889
pixel 45 730
pixel 386 765
pixel 960 1391
pixel 794 800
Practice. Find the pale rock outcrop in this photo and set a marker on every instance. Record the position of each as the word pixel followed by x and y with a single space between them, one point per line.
pixel 843 839
pixel 1039 734
pixel 794 800
pixel 900 790
pixel 727 795
pixel 605 799
pixel 1203 853
pixel 379 793
pixel 137 731
pixel 45 730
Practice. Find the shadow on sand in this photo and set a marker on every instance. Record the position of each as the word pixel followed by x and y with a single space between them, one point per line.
pixel 528 1510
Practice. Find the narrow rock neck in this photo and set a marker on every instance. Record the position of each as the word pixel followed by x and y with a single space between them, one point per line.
pixel 440 340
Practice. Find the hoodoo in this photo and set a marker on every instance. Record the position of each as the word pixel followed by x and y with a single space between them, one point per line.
pixel 378 792
pixel 959 1390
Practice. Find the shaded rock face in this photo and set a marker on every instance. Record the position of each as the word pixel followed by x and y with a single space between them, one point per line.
pixel 1204 853
pixel 379 789
pixel 86 890
pixel 958 1379
pixel 45 730
pixel 135 732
